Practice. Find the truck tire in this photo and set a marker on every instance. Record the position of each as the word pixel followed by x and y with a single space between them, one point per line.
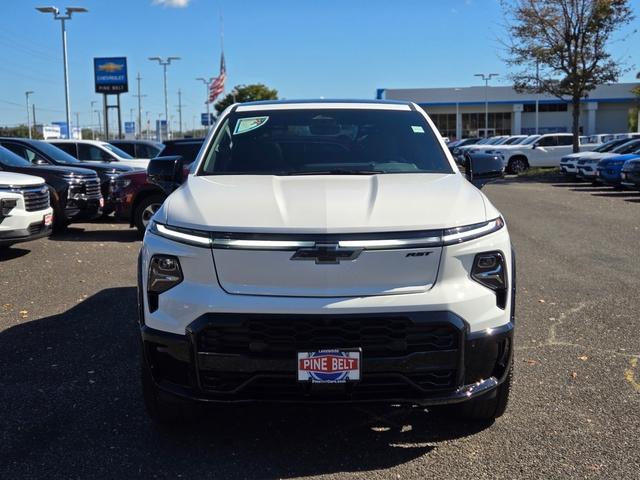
pixel 145 210
pixel 518 165
pixel 484 409
pixel 163 412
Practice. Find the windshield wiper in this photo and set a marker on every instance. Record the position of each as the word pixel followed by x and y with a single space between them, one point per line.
pixel 335 171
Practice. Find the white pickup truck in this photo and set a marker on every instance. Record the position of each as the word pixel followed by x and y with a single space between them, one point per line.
pixel 547 151
pixel 326 252
pixel 25 213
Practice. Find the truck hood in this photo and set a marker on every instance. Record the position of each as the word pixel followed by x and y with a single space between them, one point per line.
pixel 324 203
pixel 19 179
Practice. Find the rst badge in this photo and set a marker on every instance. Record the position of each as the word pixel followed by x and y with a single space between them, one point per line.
pixel 329 366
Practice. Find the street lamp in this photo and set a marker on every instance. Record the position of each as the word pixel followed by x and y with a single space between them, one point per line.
pixel 165 62
pixel 69 11
pixel 99 114
pixel 26 94
pixel 486 77
pixel 207 84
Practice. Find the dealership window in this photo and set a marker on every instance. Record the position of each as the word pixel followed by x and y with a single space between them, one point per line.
pixel 545 107
pixel 445 123
pixel 499 123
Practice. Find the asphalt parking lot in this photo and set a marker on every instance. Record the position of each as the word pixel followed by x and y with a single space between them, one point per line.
pixel 71 405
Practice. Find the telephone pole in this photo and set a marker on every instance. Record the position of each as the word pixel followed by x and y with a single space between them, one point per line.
pixel 139 97
pixel 28 119
pixel 77 125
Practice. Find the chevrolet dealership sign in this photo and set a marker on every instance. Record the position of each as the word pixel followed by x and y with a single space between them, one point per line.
pixel 111 75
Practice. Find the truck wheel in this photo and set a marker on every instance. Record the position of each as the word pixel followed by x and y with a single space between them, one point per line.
pixel 145 210
pixel 518 165
pixel 161 411
pixel 488 409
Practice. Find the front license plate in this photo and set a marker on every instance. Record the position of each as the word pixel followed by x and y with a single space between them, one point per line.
pixel 329 366
pixel 101 202
pixel 48 220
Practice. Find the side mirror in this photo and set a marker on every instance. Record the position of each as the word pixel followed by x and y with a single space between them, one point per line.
pixel 535 145
pixel 482 168
pixel 40 161
pixel 166 172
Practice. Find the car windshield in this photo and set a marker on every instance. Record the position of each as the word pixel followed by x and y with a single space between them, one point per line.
pixel 58 155
pixel 10 159
pixel 530 140
pixel 627 147
pixel 325 141
pixel 513 141
pixel 117 151
pixel 608 146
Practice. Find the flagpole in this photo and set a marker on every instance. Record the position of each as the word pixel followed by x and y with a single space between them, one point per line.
pixel 222 41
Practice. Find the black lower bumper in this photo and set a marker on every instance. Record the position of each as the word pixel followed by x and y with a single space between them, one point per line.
pixel 32 232
pixel 472 365
pixel 83 209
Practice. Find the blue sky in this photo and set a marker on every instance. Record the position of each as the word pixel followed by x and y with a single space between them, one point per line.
pixel 303 48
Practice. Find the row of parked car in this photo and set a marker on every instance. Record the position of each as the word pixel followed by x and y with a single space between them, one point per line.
pixel 615 163
pixel 521 152
pixel 46 185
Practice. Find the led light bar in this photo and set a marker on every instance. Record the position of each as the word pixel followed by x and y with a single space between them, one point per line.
pixel 382 244
pixel 261 244
pixel 180 236
pixel 452 236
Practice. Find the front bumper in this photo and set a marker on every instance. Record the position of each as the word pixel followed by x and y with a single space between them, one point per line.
pixel 78 209
pixel 32 232
pixel 475 365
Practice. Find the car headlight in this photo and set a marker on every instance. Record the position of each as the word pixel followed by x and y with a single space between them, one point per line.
pixel 451 236
pixel 164 274
pixel 122 183
pixel 182 235
pixel 489 270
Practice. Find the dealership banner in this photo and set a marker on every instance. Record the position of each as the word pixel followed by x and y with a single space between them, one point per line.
pixel 111 75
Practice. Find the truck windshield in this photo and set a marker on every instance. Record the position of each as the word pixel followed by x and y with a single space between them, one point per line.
pixel 324 142
pixel 10 159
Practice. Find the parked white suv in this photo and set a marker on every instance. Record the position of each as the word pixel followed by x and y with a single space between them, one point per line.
pixel 98 151
pixel 326 252
pixel 547 151
pixel 25 213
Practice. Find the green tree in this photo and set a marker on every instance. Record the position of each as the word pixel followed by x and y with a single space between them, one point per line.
pixel 247 93
pixel 560 47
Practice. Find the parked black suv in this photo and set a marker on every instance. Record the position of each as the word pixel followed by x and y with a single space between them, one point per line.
pixel 75 192
pixel 139 148
pixel 38 152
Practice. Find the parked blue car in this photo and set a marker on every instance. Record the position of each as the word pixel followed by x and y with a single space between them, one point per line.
pixel 609 169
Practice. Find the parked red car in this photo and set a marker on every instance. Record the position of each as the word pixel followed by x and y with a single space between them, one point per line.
pixel 135 199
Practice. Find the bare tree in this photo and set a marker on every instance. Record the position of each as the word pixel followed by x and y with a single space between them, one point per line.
pixel 560 47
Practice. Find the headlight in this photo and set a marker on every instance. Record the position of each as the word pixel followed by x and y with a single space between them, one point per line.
pixel 183 235
pixel 451 236
pixel 122 183
pixel 164 273
pixel 489 270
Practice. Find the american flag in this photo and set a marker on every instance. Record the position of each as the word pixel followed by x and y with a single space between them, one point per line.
pixel 217 86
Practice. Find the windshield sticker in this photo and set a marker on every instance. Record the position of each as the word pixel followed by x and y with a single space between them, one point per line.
pixel 245 125
pixel 417 129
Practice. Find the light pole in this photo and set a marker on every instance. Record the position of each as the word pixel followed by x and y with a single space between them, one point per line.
pixel 458 119
pixel 63 18
pixel 99 113
pixel 26 94
pixel 207 84
pixel 165 62
pixel 486 77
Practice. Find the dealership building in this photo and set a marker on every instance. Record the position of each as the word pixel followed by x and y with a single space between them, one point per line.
pixel 460 112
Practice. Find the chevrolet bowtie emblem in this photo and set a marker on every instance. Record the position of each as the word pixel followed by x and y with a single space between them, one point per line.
pixel 327 254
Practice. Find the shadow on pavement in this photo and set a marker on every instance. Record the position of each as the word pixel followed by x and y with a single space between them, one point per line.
pixel 617 194
pixel 75 234
pixel 72 408
pixel 10 253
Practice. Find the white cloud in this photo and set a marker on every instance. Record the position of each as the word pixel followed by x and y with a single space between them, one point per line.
pixel 172 3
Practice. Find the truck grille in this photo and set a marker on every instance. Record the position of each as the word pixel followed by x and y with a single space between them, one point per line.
pixel 283 336
pixel 35 199
pixel 92 188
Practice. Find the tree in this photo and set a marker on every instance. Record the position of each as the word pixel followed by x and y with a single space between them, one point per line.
pixel 247 93
pixel 561 47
